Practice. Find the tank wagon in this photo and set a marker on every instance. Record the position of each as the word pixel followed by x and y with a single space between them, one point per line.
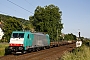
pixel 23 41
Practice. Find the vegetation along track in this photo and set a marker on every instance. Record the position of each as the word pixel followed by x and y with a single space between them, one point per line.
pixel 47 54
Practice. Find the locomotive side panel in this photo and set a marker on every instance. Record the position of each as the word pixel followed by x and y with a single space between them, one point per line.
pixel 40 40
pixel 28 40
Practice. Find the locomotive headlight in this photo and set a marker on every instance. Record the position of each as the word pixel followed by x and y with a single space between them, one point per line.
pixel 20 48
pixel 10 47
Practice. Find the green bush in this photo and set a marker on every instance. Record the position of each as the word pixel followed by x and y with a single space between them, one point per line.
pixel 2 48
pixel 82 53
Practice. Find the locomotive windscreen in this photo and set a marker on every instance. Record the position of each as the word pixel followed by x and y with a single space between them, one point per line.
pixel 18 35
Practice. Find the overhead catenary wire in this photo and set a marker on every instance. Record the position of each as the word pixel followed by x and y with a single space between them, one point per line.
pixel 1 12
pixel 29 3
pixel 4 12
pixel 12 9
pixel 19 6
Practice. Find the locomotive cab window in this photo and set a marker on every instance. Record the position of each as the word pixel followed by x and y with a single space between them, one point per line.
pixel 28 36
pixel 18 35
pixel 15 35
pixel 21 35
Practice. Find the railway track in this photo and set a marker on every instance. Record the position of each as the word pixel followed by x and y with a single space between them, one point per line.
pixel 47 54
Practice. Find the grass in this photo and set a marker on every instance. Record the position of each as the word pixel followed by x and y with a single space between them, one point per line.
pixel 2 48
pixel 82 53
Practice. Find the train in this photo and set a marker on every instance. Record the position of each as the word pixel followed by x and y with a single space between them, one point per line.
pixel 26 41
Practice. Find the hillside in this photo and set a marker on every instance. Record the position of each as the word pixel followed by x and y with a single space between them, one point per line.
pixel 11 23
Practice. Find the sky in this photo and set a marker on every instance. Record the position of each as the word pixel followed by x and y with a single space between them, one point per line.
pixel 75 13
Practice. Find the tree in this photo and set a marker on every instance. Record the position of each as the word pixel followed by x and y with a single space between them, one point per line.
pixel 70 37
pixel 47 19
pixel 11 25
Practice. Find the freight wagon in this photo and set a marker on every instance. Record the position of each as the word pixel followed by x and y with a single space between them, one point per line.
pixel 23 41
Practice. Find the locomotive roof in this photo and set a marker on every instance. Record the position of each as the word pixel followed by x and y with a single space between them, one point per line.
pixel 20 31
pixel 39 33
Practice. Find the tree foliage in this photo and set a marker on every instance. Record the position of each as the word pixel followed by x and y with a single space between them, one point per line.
pixel 69 37
pixel 10 24
pixel 47 19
